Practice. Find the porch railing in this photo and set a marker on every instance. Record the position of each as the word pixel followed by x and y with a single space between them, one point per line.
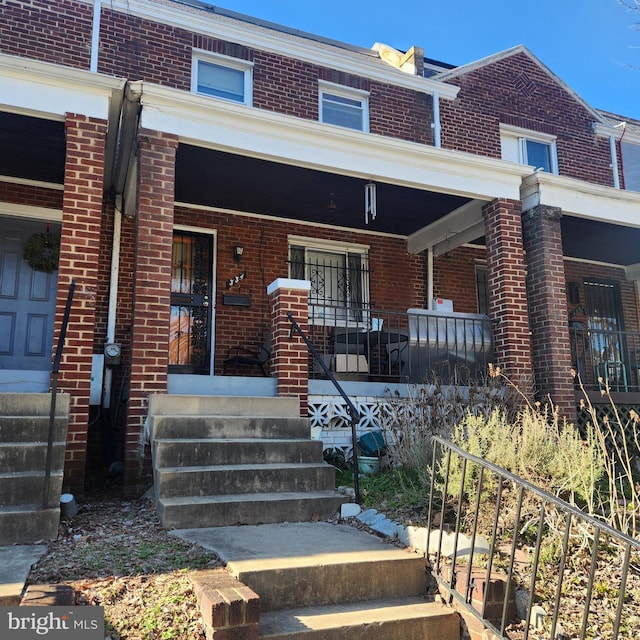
pixel 354 414
pixel 417 346
pixel 606 358
pixel 572 575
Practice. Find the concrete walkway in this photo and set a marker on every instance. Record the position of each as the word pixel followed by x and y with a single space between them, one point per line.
pixel 15 563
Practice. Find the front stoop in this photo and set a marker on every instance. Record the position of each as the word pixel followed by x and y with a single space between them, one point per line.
pixel 222 461
pixel 316 581
pixel 24 435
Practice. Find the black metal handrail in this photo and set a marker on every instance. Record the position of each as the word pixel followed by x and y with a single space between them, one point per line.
pixel 354 414
pixel 55 368
pixel 596 532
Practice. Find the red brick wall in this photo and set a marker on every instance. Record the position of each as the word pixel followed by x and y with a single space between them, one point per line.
pixel 80 244
pixel 58 31
pixel 30 195
pixel 454 277
pixel 507 291
pixel 397 278
pixel 143 50
pixel 518 92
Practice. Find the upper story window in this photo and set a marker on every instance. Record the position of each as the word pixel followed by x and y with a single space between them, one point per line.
pixel 344 107
pixel 339 276
pixel 538 150
pixel 631 165
pixel 222 77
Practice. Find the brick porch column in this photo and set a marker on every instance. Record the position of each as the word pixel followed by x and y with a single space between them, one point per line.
pixel 151 289
pixel 79 254
pixel 507 291
pixel 289 354
pixel 550 344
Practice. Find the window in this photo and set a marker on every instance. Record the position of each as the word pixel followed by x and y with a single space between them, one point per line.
pixel 339 276
pixel 482 288
pixel 529 147
pixel 344 107
pixel 222 77
pixel 631 165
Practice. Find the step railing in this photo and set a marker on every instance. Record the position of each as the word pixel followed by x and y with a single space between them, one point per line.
pixel 354 414
pixel 55 368
pixel 520 518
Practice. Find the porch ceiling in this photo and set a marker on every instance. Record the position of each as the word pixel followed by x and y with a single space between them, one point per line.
pixel 219 179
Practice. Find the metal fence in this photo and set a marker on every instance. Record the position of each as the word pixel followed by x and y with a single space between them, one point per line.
pixel 415 346
pixel 524 562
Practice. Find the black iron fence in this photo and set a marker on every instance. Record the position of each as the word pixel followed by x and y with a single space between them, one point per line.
pixel 415 346
pixel 606 358
pixel 524 562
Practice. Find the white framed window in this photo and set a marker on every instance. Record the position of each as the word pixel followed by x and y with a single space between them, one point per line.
pixel 631 165
pixel 344 107
pixel 538 150
pixel 339 276
pixel 222 77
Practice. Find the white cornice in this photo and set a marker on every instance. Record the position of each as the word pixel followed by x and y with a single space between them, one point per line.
pixel 50 91
pixel 582 199
pixel 224 126
pixel 290 45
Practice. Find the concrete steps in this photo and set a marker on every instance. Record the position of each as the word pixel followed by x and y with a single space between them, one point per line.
pixel 390 619
pixel 330 582
pixel 24 434
pixel 236 460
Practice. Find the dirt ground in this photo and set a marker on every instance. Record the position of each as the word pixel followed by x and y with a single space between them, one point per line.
pixel 115 554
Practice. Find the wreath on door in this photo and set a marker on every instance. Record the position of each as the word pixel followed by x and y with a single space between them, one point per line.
pixel 42 252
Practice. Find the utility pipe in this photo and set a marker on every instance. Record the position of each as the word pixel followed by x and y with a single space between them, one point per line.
pixel 437 130
pixel 113 298
pixel 95 35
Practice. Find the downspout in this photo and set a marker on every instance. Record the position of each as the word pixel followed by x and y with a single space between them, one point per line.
pixel 95 35
pixel 614 162
pixel 127 129
pixel 437 142
pixel 113 297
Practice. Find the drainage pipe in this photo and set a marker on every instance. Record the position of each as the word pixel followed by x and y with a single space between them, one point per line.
pixel 95 36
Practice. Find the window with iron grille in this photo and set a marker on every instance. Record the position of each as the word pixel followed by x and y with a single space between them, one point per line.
pixel 339 281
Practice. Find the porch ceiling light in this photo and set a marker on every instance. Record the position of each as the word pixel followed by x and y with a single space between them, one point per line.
pixel 370 204
pixel 238 250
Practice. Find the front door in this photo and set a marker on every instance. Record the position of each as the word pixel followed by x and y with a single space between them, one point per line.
pixel 191 303
pixel 27 309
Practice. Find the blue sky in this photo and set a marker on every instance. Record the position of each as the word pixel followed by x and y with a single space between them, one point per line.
pixel 591 44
